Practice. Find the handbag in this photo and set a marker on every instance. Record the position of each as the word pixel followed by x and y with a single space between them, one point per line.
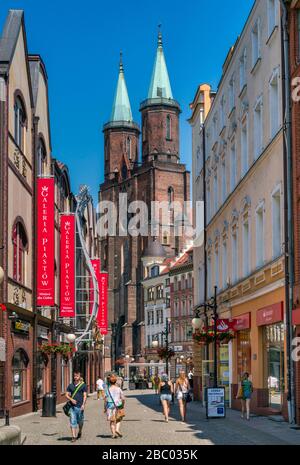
pixel 120 411
pixel 68 405
pixel 186 396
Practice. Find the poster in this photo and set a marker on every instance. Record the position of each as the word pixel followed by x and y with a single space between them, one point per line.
pixel 215 402
pixel 67 266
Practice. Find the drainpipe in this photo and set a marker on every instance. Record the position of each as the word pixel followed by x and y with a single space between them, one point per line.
pixel 288 212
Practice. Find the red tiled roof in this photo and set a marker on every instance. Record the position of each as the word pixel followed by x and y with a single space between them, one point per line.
pixel 184 259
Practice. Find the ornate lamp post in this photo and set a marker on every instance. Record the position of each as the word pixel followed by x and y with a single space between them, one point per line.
pixel 166 335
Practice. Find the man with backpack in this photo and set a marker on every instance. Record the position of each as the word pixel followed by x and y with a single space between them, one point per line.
pixel 76 395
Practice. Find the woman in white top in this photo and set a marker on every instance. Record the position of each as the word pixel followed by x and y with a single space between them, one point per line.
pixel 114 399
pixel 182 388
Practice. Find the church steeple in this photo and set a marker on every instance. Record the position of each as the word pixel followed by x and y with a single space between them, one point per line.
pixel 121 110
pixel 160 83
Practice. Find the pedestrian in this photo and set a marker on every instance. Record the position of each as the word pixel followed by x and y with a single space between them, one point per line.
pixel 120 382
pixel 114 406
pixel 190 377
pixel 182 389
pixel 100 388
pixel 156 382
pixel 245 390
pixel 165 390
pixel 77 395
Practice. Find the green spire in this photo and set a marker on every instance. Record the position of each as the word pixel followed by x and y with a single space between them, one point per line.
pixel 160 83
pixel 121 110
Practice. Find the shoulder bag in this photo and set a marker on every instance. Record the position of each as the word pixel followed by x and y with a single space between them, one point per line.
pixel 120 412
pixel 186 396
pixel 68 405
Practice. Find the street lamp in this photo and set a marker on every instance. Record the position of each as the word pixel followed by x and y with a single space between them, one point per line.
pixel 196 323
pixel 71 337
pixel 164 333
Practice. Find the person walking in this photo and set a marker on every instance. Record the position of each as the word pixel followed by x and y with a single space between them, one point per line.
pixel 190 377
pixel 77 395
pixel 165 390
pixel 100 388
pixel 156 382
pixel 114 405
pixel 245 391
pixel 182 388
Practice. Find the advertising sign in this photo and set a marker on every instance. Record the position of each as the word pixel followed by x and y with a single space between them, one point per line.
pixel 67 265
pixel 96 264
pixel 102 317
pixel 242 322
pixel 270 315
pixel 45 242
pixel 215 402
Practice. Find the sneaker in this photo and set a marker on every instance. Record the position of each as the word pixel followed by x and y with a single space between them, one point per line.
pixel 73 440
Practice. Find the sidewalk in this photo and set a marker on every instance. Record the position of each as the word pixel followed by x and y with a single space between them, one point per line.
pixel 144 424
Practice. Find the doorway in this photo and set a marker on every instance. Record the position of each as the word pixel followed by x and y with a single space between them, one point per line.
pixel 274 364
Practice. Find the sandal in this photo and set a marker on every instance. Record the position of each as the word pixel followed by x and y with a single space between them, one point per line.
pixel 119 434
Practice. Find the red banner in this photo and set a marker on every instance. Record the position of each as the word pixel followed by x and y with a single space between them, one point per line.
pixel 45 242
pixel 102 317
pixel 96 263
pixel 270 315
pixel 67 266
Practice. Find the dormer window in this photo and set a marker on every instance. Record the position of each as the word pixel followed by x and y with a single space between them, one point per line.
pixel 154 271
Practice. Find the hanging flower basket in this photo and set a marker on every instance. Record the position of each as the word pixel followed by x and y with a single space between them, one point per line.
pixel 203 337
pixel 207 336
pixel 66 350
pixel 163 353
pixel 120 361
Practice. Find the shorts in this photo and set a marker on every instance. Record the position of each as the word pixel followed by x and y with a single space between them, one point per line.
pixel 246 395
pixel 76 417
pixel 167 397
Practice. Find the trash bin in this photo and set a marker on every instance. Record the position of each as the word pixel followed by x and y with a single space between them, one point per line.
pixel 49 405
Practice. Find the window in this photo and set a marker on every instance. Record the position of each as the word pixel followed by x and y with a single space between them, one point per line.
pixel 259 236
pixel 20 122
pixel 157 317
pixel 258 129
pixel 233 169
pixel 176 308
pixel 19 376
pixel 190 281
pixel 256 43
pixel 276 224
pixel 154 271
pixel 243 70
pixel 166 239
pixel 224 189
pixel 168 136
pixel 183 309
pixel 160 292
pixel 208 213
pixel 149 341
pixel 128 148
pixel 272 15
pixel 42 158
pixel 222 113
pixel 244 147
pixel 274 104
pixel 224 265
pixel 151 294
pixel 209 277
pixel 149 318
pixel 170 196
pixel 20 246
pixel 243 352
pixel 246 247
pixel 175 284
pixel 234 258
pixel 231 94
pixel 215 193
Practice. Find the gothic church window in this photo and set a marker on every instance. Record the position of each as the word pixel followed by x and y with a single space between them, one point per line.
pixel 128 148
pixel 168 135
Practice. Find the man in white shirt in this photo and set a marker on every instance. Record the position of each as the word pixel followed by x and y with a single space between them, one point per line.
pixel 100 388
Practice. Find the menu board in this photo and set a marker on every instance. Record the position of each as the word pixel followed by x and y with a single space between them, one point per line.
pixel 215 403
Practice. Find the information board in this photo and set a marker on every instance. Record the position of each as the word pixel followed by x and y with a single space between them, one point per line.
pixel 215 402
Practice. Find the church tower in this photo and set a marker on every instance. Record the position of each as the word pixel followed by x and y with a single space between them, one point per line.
pixel 121 134
pixel 160 115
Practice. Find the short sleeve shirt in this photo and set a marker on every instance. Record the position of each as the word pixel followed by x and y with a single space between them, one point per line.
pixel 79 394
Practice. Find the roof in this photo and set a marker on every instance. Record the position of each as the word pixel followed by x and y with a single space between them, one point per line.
pixel 154 249
pixel 160 83
pixel 185 260
pixel 121 110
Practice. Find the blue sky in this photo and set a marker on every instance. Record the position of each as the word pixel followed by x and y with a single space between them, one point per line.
pixel 80 43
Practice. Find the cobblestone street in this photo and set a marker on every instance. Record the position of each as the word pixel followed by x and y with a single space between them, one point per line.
pixel 144 424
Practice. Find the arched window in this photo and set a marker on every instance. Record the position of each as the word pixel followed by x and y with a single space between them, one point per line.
pixel 154 271
pixel 128 148
pixel 20 122
pixel 19 376
pixel 170 195
pixel 20 246
pixel 168 128
pixel 42 158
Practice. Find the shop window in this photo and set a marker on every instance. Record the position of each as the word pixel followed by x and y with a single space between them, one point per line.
pixel 20 363
pixel 243 352
pixel 41 363
pixel 273 337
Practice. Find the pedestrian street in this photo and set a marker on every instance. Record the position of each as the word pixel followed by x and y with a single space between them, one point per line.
pixel 144 425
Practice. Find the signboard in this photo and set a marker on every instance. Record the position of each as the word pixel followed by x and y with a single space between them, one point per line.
pixel 102 317
pixel 2 350
pixel 67 265
pixel 269 315
pixel 242 322
pixel 215 402
pixel 178 348
pixel 20 326
pixel 42 332
pixel 45 242
pixel 96 264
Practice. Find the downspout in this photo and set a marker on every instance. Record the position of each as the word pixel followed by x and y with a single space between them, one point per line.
pixel 288 212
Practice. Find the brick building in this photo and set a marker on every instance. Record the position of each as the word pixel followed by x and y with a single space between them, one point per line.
pixel 159 176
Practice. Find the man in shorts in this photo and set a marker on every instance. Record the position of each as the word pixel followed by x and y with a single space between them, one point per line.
pixel 78 402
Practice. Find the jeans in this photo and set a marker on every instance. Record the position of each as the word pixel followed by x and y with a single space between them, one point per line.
pixel 166 397
pixel 76 417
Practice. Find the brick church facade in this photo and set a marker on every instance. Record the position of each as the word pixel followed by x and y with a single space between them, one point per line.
pixel 156 175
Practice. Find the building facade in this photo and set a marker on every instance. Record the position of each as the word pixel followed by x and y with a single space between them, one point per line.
pixel 245 207
pixel 157 175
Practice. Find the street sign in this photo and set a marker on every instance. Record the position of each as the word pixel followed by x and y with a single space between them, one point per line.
pixel 215 403
pixel 2 350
